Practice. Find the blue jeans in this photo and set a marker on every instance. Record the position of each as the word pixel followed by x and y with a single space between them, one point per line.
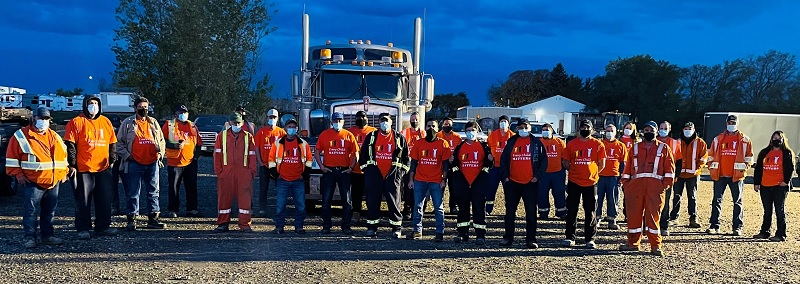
pixel 295 189
pixel 133 180
pixel 557 182
pixel 328 183
pixel 608 189
pixel 47 201
pixel 421 190
pixel 716 203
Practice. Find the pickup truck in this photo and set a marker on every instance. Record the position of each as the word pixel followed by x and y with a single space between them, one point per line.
pixel 209 126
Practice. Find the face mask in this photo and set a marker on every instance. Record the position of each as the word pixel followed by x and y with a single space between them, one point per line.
pixel 430 134
pixel 610 135
pixel 447 129
pixel 141 112
pixel 523 133
pixel 236 128
pixel 688 133
pixel 414 124
pixel 586 133
pixel 662 133
pixel 503 125
pixel 777 143
pixel 546 133
pixel 272 121
pixel 360 122
pixel 385 126
pixel 291 131
pixel 42 124
pixel 731 128
pixel 93 109
pixel 337 126
pixel 649 136
pixel 471 135
pixel 627 132
pixel 183 117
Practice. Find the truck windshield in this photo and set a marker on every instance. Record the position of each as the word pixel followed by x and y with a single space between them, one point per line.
pixel 347 85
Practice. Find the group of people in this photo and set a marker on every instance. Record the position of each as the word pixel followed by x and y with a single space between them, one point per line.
pixel 407 170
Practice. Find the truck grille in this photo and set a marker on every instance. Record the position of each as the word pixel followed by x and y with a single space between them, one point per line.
pixel 209 138
pixel 372 120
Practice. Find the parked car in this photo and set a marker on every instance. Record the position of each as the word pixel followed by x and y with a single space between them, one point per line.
pixel 209 126
pixel 458 127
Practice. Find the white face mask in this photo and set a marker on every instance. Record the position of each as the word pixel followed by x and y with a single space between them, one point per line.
pixel 627 132
pixel 236 128
pixel 183 117
pixel 93 109
pixel 609 135
pixel 337 126
pixel 385 126
pixel 471 135
pixel 503 125
pixel 546 133
pixel 732 128
pixel 688 133
pixel 523 133
pixel 42 124
pixel 662 133
pixel 272 121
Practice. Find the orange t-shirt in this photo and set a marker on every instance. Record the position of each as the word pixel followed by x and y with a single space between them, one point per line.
pixel 628 141
pixel 497 142
pixel 92 138
pixel 338 147
pixel 728 148
pixel 471 157
pixel 143 149
pixel 453 139
pixel 584 158
pixel 191 138
pixel 265 138
pixel 360 133
pixel 291 168
pixel 521 168
pixel 412 136
pixel 384 147
pixel 773 168
pixel 555 152
pixel 430 156
pixel 616 153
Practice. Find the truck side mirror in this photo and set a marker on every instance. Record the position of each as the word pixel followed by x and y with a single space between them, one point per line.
pixel 429 92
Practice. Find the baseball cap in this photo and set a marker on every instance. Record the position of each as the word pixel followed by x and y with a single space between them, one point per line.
pixel 522 121
pixel 272 112
pixel 732 118
pixel 337 115
pixel 361 113
pixel 386 116
pixel 689 124
pixel 43 112
pixel 504 117
pixel 236 117
pixel 589 123
pixel 181 108
pixel 652 124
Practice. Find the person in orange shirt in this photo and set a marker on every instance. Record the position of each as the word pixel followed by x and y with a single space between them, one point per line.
pixel 360 131
pixel 555 177
pixel 141 147
pixel 384 160
pixel 629 135
pixel 608 184
pixel 729 157
pixel 585 159
pixel 265 138
pixel 182 150
pixel 430 161
pixel 650 171
pixel 290 162
pixel 91 149
pixel 497 142
pixel 412 134
pixel 773 174
pixel 523 164
pixel 341 153
pixel 39 177
pixel 454 139
pixel 675 146
pixel 694 156
pixel 235 167
pixel 470 164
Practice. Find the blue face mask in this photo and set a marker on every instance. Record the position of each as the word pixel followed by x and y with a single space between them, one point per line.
pixel 183 117
pixel 662 133
pixel 546 133
pixel 272 121
pixel 291 131
pixel 471 135
pixel 236 128
pixel 337 126
pixel 385 126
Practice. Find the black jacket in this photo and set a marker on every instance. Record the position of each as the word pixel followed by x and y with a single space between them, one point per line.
pixel 399 154
pixel 788 166
pixel 487 164
pixel 538 158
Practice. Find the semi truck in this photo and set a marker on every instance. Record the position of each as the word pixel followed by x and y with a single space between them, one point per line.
pixel 358 75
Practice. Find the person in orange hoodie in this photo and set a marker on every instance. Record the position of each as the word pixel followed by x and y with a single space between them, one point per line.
pixel 608 184
pixel 235 167
pixel 649 171
pixel 39 177
pixel 729 157
pixel 675 146
pixel 290 164
pixel 183 144
pixel 695 155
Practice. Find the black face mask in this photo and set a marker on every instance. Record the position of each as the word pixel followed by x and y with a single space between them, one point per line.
pixel 586 133
pixel 649 136
pixel 413 124
pixel 360 122
pixel 447 129
pixel 430 134
pixel 777 143
pixel 141 112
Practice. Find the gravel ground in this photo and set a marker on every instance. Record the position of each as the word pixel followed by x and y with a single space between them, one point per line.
pixel 187 252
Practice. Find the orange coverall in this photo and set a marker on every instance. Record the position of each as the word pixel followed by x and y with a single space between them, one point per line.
pixel 235 166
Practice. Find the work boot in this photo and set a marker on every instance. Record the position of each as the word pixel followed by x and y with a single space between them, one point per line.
pixel 612 224
pixel 693 223
pixel 84 235
pixel 171 214
pixel 543 216
pixel 108 232
pixel 52 241
pixel 761 235
pixel 221 229
pixel 777 239
pixel 461 239
pixel 454 210
pixel 480 241
pixel 627 247
pixel 439 237
pixel 657 252
pixel 153 223
pixel 371 234
pixel 396 233
pixel 665 233
pixel 506 242
pixel 31 243
pixel 194 214
pixel 131 223
pixel 532 245
pixel 414 236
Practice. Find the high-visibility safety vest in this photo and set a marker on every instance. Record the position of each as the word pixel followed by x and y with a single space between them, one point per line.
pixel 399 140
pixel 744 156
pixel 175 137
pixel 278 147
pixel 694 160
pixel 655 172
pixel 36 163
pixel 225 147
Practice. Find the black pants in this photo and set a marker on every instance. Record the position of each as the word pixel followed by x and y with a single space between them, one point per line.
pixel 690 184
pixel 388 188
pixel 92 187
pixel 188 175
pixel 513 192
pixel 451 202
pixel 264 180
pixel 328 184
pixel 357 191
pixel 665 212
pixel 466 195
pixel 774 196
pixel 408 195
pixel 116 175
pixel 575 193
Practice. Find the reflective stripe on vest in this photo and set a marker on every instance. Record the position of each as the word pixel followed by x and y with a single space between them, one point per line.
pixel 31 163
pixel 174 133
pixel 654 174
pixel 225 147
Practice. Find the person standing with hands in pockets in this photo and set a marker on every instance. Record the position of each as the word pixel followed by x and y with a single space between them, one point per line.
pixel 771 179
